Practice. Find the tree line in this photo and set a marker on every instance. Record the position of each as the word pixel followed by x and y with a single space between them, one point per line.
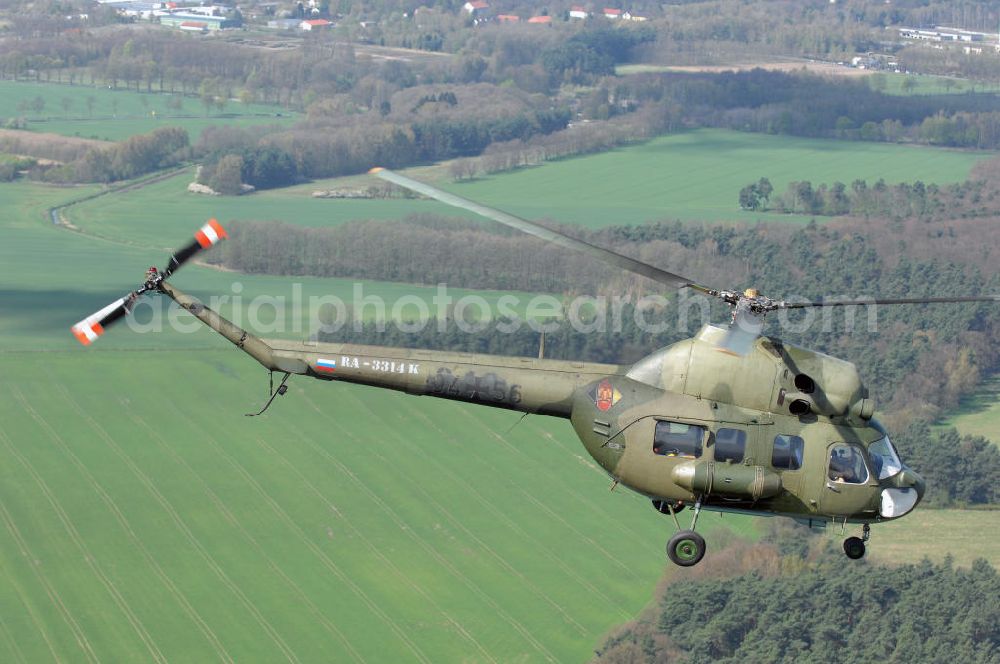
pixel 961 471
pixel 81 160
pixel 801 104
pixel 766 603
pixel 898 201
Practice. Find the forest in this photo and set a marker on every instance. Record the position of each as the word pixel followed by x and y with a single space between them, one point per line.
pixel 791 598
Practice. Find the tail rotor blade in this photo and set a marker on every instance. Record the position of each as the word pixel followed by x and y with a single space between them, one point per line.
pixel 208 235
pixel 93 326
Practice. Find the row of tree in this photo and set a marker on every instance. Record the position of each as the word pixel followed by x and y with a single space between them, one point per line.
pixel 899 201
pixel 162 148
pixel 800 104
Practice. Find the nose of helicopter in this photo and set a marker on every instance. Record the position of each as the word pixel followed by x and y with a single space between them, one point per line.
pixel 916 481
pixel 905 494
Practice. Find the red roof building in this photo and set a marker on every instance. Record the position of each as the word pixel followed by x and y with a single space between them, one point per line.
pixel 315 24
pixel 508 18
pixel 612 13
pixel 540 19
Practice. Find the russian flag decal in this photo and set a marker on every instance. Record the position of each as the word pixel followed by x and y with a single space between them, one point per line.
pixel 325 365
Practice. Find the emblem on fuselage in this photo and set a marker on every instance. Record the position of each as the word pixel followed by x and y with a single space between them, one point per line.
pixel 605 395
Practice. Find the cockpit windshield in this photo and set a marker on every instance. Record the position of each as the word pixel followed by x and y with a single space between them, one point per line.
pixel 884 458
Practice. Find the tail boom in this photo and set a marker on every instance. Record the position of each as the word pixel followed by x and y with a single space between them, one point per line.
pixel 545 387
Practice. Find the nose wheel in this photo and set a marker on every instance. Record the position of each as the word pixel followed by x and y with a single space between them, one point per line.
pixel 854 547
pixel 686 547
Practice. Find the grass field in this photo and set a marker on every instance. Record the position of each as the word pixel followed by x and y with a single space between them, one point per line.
pixel 117 114
pixel 144 516
pixel 979 414
pixel 689 176
pixel 963 534
pixel 932 85
pixel 51 277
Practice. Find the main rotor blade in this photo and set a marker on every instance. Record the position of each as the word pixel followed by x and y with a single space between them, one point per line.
pixel 93 326
pixel 618 260
pixel 901 300
pixel 206 236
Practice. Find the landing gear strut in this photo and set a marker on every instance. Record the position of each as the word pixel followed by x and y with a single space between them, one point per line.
pixel 854 547
pixel 686 547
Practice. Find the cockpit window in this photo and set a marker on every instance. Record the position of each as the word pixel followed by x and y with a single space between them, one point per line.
pixel 730 445
pixel 847 464
pixel 677 439
pixel 885 461
pixel 787 452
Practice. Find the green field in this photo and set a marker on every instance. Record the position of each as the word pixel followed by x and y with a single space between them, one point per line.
pixel 153 214
pixel 979 414
pixel 690 176
pixel 51 277
pixel 117 114
pixel 931 85
pixel 143 515
pixel 962 534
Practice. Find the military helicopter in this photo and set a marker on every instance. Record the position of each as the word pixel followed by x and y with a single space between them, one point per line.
pixel 728 421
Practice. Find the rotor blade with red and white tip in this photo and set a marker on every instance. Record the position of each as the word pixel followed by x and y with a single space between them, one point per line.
pixel 208 235
pixel 547 234
pixel 93 326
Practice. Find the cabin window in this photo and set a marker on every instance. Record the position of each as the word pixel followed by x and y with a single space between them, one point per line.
pixel 730 445
pixel 787 453
pixel 676 439
pixel 847 465
pixel 885 461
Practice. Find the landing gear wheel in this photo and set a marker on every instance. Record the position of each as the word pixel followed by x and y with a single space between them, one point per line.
pixel 686 548
pixel 854 547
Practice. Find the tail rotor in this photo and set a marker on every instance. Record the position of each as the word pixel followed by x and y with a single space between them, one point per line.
pixel 93 326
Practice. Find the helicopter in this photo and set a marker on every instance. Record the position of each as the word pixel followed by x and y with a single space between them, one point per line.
pixel 727 421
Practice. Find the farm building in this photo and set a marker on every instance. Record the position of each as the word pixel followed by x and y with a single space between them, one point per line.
pixel 210 23
pixel 315 24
